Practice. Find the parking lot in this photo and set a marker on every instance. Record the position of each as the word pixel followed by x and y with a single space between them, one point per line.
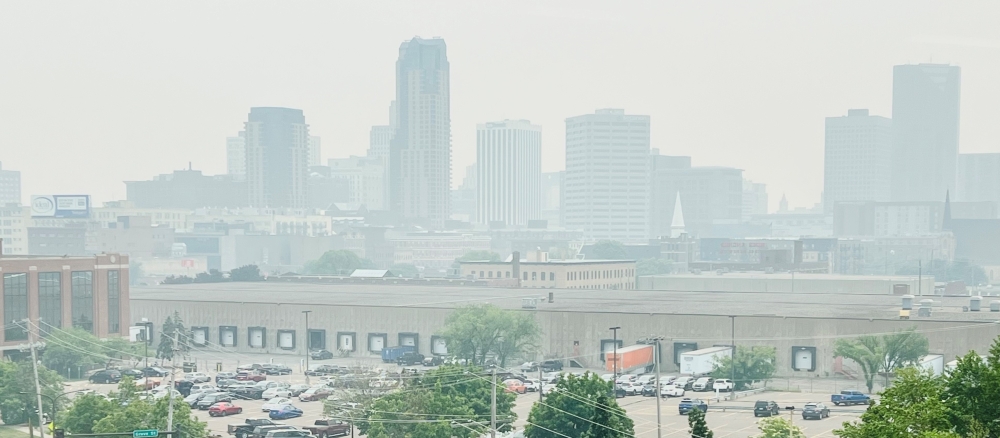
pixel 726 418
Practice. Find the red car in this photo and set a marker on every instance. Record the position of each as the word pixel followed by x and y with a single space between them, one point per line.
pixel 252 377
pixel 221 409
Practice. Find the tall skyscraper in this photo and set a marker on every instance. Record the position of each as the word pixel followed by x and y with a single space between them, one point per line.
pixel 315 151
pixel 420 152
pixel 277 148
pixel 509 157
pixel 10 186
pixel 552 189
pixel 607 175
pixel 708 194
pixel 925 118
pixel 857 159
pixel 378 141
pixel 236 156
pixel 978 178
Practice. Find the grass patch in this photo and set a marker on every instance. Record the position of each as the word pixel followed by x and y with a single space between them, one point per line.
pixel 10 432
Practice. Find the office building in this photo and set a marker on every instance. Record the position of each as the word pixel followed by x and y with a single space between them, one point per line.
pixel 708 195
pixel 14 220
pixel 379 139
pixel 463 199
pixel 978 178
pixel 236 156
pixel 857 159
pixel 754 199
pixel 509 159
pixel 10 186
pixel 540 272
pixel 187 189
pixel 315 151
pixel 135 236
pixel 607 176
pixel 552 188
pixel 366 180
pixel 925 119
pixel 420 153
pixel 277 157
pixel 69 239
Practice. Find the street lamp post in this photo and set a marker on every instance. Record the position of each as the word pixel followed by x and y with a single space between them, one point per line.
pixel 306 372
pixel 732 360
pixel 53 400
pixel 614 343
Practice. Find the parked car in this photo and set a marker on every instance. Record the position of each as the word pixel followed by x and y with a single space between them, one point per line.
pixel 223 409
pixel 106 376
pixel 262 431
pixel 529 367
pixel 724 385
pixel 211 399
pixel 433 361
pixel 689 404
pixel 284 412
pixel 649 390
pixel 850 397
pixel 671 390
pixel 288 433
pixel 197 377
pixel 410 358
pixel 632 388
pixel 764 408
pixel 297 389
pixel 328 428
pixel 133 373
pixel 244 429
pixel 275 369
pixel 818 411
pixel 250 376
pixel 315 393
pixel 703 384
pixel 203 387
pixel 532 385
pixel 516 386
pixel 626 378
pixel 226 383
pixel 323 370
pixel 275 403
pixel 552 365
pixel 225 375
pixel 619 391
pixel 320 355
pixel 154 372
pixel 684 382
pixel 609 377
pixel 277 391
pixel 646 378
pixel 193 399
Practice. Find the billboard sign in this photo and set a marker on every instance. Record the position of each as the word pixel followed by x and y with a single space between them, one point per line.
pixel 60 206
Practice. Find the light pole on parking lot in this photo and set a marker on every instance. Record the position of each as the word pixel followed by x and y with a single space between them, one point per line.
pixel 306 372
pixel 614 345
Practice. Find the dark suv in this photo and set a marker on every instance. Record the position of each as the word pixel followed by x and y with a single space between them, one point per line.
pixel 552 365
pixel 106 376
pixel 764 408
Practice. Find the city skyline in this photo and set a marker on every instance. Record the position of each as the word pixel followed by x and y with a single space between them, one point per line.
pixel 787 76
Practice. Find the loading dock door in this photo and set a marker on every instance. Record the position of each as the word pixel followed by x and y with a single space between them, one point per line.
pixel 228 338
pixel 286 340
pixel 439 347
pixel 804 360
pixel 376 343
pixel 408 341
pixel 257 338
pixel 345 343
pixel 317 339
pixel 199 337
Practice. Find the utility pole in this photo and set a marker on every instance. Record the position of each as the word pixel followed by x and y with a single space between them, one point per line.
pixel 656 357
pixel 38 386
pixel 493 407
pixel 732 357
pixel 170 390
pixel 541 384
pixel 920 277
pixel 614 342
pixel 306 372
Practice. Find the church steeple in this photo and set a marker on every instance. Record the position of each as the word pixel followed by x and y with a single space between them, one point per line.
pixel 946 226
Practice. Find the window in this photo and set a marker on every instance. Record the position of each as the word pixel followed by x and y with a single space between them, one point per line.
pixel 82 290
pixel 525 275
pixel 481 274
pixel 552 276
pixel 491 274
pixel 15 306
pixel 114 300
pixel 534 276
pixel 50 300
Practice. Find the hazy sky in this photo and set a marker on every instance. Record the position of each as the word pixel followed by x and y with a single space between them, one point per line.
pixel 94 93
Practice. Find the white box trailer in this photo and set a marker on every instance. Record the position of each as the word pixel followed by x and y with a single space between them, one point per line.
pixel 703 361
pixel 933 363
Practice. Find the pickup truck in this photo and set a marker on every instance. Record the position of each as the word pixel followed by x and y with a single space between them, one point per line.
pixel 328 428
pixel 850 397
pixel 244 429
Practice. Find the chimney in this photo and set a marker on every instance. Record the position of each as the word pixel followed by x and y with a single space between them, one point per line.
pixel 515 261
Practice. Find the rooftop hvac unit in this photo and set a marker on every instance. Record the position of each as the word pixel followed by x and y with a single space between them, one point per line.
pixel 975 303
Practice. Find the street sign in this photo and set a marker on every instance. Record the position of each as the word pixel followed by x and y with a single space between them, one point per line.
pixel 149 433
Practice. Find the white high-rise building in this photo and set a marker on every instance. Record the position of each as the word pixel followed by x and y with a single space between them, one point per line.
pixel 978 178
pixel 236 156
pixel 607 176
pixel 315 151
pixel 10 186
pixel 858 158
pixel 754 199
pixel 378 141
pixel 509 160
pixel 366 178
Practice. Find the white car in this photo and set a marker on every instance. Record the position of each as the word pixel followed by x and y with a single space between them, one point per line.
pixel 275 403
pixel 724 385
pixel 159 393
pixel 202 387
pixel 625 378
pixel 702 384
pixel 532 385
pixel 684 381
pixel 608 377
pixel 646 378
pixel 672 391
pixel 276 392
pixel 197 377
pixel 632 388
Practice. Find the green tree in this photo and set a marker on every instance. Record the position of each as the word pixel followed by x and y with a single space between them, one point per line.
pixel 476 332
pixel 405 270
pixel 579 407
pixel 653 267
pixel 17 385
pixel 165 349
pixel 608 250
pixel 128 411
pixel 913 407
pixel 778 427
pixel 882 354
pixel 72 348
pixel 697 425
pixel 246 273
pixel 479 256
pixel 337 262
pixel 753 364
pixel 123 349
pixel 212 276
pixel 85 411
pixel 973 388
pixel 135 272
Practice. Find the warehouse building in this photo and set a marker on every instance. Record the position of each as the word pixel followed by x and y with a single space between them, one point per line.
pixel 267 317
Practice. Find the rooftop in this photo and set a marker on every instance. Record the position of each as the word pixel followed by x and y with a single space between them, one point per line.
pixel 786 305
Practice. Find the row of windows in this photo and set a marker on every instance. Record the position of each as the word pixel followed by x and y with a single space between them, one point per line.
pixel 596 274
pixel 50 304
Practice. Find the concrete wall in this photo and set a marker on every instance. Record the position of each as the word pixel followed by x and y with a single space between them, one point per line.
pixel 802 283
pixel 566 334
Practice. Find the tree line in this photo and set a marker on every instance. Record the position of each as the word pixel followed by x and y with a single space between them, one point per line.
pixel 243 273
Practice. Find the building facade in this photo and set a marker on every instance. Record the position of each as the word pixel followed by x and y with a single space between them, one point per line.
pixel 754 199
pixel 277 157
pixel 236 156
pixel 420 151
pixel 434 250
pixel 379 139
pixel 552 189
pixel 14 220
pixel 89 293
pixel 707 194
pixel 315 151
pixel 188 189
pixel 366 179
pixel 463 199
pixel 135 236
pixel 925 119
pixel 70 239
pixel 10 186
pixel 558 274
pixel 857 158
pixel 509 161
pixel 607 175
pixel 978 178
